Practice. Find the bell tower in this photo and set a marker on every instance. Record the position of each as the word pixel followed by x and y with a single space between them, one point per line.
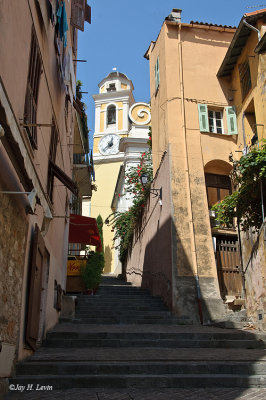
pixel 112 106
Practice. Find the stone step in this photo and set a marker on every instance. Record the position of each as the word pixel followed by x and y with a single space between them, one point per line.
pixel 124 314
pixel 148 368
pixel 210 336
pixel 126 320
pixel 168 343
pixel 124 297
pixel 118 308
pixel 141 380
pixel 151 354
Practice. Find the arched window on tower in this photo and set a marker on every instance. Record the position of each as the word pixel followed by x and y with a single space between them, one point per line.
pixel 111 115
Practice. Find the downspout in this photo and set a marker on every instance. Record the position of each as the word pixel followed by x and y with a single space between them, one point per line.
pixel 190 211
pixel 252 27
pixel 243 130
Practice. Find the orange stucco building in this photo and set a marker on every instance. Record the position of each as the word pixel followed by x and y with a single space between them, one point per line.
pixel 196 124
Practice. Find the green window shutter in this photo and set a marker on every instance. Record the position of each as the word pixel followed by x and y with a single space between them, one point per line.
pixel 231 121
pixel 203 117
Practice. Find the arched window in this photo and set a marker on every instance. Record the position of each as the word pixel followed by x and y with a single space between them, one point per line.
pixel 111 115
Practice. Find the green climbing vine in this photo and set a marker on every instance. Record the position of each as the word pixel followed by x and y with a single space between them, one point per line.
pixel 124 223
pixel 245 203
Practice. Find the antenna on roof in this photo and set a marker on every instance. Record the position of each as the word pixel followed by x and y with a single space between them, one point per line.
pixel 258 5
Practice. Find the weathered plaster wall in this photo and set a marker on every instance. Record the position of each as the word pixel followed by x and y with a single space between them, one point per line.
pixel 150 262
pixel 186 80
pixel 15 33
pixel 254 262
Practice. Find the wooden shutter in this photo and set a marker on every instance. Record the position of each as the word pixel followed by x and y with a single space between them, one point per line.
pixel 231 121
pixel 35 290
pixel 32 90
pixel 88 13
pixel 157 74
pixel 203 117
pixel 78 14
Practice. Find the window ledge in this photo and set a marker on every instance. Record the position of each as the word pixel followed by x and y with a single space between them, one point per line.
pixel 219 134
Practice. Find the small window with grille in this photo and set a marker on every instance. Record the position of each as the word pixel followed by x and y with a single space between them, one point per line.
pixel 32 90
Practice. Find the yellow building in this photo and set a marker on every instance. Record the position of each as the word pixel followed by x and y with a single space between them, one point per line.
pixel 207 101
pixel 244 66
pixel 117 116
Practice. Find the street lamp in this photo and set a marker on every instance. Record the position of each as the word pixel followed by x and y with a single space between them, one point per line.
pixel 145 180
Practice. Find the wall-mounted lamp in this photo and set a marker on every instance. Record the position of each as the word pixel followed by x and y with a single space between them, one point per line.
pixel 156 192
pixel 30 208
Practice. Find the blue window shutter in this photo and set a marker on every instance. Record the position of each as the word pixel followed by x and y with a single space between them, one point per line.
pixel 231 121
pixel 203 117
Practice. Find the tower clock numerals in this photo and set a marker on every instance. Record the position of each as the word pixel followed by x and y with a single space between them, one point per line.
pixel 109 144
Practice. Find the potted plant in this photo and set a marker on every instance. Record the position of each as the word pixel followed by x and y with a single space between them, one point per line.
pixel 91 272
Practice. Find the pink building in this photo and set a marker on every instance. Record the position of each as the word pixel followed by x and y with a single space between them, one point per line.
pixel 38 124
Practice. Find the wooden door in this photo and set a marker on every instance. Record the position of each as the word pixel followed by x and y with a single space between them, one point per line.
pixel 228 265
pixel 35 289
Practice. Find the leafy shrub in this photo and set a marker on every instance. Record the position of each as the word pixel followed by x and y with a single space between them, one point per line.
pixel 91 270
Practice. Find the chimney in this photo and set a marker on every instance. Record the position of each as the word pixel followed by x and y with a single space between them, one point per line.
pixel 175 15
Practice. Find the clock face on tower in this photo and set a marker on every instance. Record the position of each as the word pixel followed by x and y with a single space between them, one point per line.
pixel 109 144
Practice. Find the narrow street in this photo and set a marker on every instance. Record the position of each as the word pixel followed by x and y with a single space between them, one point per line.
pixel 124 344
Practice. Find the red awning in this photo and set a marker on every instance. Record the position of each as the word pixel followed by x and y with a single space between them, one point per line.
pixel 84 230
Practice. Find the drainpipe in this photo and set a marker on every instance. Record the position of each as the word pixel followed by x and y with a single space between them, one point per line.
pixel 190 211
pixel 252 27
pixel 243 130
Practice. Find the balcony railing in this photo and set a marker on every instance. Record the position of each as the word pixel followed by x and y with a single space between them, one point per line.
pixel 81 158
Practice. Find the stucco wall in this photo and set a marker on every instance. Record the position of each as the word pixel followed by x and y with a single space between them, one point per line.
pixel 15 41
pixel 106 176
pixel 254 262
pixel 150 262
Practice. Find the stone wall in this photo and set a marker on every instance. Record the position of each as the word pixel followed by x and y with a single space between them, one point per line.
pixel 254 257
pixel 13 231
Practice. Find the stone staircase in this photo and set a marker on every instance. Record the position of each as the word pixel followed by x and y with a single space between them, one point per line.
pixel 124 338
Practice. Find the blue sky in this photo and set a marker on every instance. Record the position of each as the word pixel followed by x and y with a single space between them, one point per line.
pixel 122 30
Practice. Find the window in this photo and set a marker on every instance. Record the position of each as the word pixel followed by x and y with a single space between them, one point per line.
pixel 80 12
pixel 217 186
pixel 215 121
pixel 157 75
pixel 111 88
pixel 245 78
pixel 31 100
pixel 211 120
pixel 111 115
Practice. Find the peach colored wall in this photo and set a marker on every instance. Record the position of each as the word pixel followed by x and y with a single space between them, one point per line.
pixel 15 40
pixel 186 79
pixel 189 58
